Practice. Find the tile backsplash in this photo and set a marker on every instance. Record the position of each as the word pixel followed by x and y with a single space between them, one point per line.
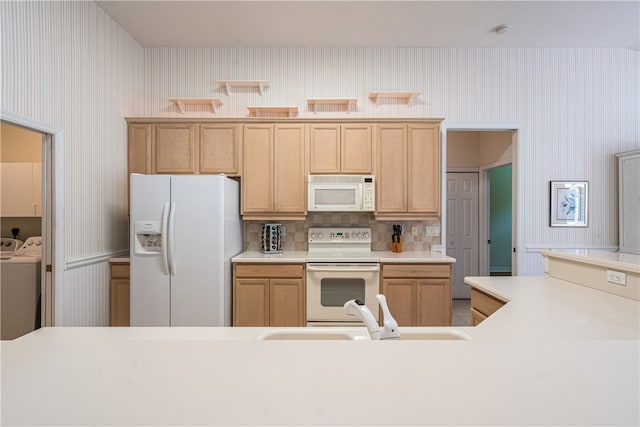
pixel 295 232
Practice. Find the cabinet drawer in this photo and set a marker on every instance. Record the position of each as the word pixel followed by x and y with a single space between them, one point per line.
pixel 484 303
pixel 269 270
pixel 119 271
pixel 476 317
pixel 416 270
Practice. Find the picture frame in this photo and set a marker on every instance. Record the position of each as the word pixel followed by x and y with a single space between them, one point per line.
pixel 569 204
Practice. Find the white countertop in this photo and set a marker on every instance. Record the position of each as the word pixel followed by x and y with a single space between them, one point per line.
pixel 301 257
pixel 556 354
pixel 619 260
pixel 284 257
pixel 381 256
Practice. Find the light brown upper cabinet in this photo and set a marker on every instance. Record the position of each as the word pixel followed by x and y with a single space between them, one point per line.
pixel 182 148
pixel 407 171
pixel 175 148
pixel 220 148
pixel 139 153
pixel 340 148
pixel 274 171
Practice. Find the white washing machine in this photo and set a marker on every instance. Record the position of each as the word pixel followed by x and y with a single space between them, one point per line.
pixel 20 289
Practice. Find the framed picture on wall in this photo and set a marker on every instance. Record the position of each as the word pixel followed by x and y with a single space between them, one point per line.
pixel 569 204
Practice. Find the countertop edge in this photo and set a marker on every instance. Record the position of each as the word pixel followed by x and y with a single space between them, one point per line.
pixel 593 259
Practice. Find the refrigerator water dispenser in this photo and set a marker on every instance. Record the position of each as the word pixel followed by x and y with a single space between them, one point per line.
pixel 148 237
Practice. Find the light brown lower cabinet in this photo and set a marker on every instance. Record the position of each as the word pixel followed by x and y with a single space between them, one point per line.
pixel 483 305
pixel 268 295
pixel 418 294
pixel 119 294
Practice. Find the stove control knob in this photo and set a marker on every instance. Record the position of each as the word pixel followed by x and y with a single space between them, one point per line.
pixel 358 235
pixel 319 235
pixel 365 235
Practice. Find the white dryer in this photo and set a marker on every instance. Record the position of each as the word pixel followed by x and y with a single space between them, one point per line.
pixel 20 289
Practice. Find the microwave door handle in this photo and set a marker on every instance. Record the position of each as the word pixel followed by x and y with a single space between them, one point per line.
pixel 358 205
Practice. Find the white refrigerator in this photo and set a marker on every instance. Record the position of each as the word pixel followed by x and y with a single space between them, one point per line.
pixel 184 232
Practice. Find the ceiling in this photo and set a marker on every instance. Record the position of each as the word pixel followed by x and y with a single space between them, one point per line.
pixel 392 23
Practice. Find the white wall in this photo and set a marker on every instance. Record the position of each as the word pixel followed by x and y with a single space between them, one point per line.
pixel 67 64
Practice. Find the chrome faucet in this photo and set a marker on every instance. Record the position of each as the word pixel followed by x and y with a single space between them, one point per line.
pixel 390 327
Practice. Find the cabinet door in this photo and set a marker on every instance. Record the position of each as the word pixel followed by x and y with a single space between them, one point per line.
pixel 119 304
pixel 140 149
pixel 433 302
pixel 220 148
pixel 257 176
pixel 423 169
pixel 289 167
pixel 356 149
pixel 391 168
pixel 401 299
pixel 175 148
pixel 17 189
pixel 324 149
pixel 286 297
pixel 251 302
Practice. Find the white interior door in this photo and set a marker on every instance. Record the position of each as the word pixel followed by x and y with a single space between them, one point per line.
pixel 462 228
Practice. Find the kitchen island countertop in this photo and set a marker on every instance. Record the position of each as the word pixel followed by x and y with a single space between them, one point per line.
pixel 556 354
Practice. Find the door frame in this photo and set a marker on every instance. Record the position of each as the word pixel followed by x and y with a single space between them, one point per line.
pixel 483 205
pixel 52 213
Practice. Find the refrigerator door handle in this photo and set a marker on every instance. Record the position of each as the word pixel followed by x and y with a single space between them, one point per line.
pixel 163 239
pixel 170 251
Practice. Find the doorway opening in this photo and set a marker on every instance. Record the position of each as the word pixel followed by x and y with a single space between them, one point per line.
pixel 47 217
pixel 475 156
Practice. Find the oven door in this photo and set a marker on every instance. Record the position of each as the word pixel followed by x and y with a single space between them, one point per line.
pixel 334 197
pixel 330 285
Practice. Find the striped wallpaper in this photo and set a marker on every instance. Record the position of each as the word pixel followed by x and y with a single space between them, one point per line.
pixel 69 65
pixel 575 108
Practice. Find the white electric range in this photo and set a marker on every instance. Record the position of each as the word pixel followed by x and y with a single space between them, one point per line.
pixel 340 267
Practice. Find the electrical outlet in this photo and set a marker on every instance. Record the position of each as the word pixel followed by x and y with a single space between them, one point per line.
pixel 414 230
pixel 432 230
pixel 617 277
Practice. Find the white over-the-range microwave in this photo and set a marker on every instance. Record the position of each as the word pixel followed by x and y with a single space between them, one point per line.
pixel 341 193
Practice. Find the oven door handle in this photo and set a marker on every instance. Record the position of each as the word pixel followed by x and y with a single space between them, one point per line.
pixel 345 269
